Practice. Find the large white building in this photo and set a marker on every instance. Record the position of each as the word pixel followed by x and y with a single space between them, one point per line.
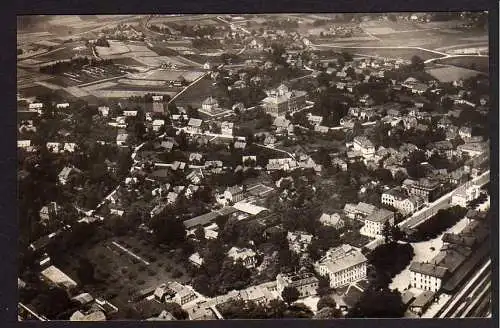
pixel 374 223
pixel 343 265
pixel 465 195
pixel 427 276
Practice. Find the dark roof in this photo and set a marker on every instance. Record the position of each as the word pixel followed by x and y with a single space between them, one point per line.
pixel 423 299
pixel 428 269
pixel 201 220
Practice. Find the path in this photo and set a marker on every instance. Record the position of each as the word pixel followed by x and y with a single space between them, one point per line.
pixel 186 88
pixel 452 56
pixel 280 150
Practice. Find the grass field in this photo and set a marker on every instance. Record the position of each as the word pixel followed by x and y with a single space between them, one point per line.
pixel 451 73
pixel 480 64
pixel 389 53
pixel 196 94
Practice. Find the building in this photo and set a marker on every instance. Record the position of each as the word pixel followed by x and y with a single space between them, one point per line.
pixel 234 194
pixel 281 101
pixel 103 110
pixel 121 139
pixel 158 124
pixel 364 146
pixel 339 163
pixel 48 212
pixel 466 194
pixel 66 174
pixel 426 188
pixel 182 294
pixel 246 255
pixel 314 119
pixel 427 276
pixel 465 132
pixel 305 283
pixel 130 113
pixel 374 223
pixel 399 200
pixel 473 149
pixel 359 211
pixel 422 302
pixel 332 220
pixel 298 241
pixel 227 128
pixel 210 105
pixel 58 278
pixel 62 106
pixel 343 265
pixel 194 125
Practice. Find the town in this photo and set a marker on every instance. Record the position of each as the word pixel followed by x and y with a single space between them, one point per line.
pixel 199 167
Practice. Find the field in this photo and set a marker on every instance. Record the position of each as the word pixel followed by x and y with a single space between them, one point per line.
pixel 389 52
pixel 106 93
pixel 480 64
pixel 33 91
pixel 196 94
pixel 451 73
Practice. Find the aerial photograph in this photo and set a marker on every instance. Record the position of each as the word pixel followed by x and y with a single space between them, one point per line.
pixel 253 166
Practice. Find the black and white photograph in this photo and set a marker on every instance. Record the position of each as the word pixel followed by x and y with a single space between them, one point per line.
pixel 254 166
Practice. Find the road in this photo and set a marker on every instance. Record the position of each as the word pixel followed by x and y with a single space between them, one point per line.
pixel 441 203
pixel 470 299
pixel 378 47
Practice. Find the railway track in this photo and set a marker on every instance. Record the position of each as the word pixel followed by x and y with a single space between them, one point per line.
pixel 467 298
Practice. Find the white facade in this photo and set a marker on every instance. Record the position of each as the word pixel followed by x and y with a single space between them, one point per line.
pixel 424 282
pixel 343 265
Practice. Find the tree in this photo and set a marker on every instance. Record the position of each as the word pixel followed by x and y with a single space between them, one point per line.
pixel 378 303
pixel 168 230
pixel 176 310
pixel 417 63
pixel 323 286
pixel 199 233
pixel 328 313
pixel 326 301
pixel 290 294
pixel 386 232
pixel 85 271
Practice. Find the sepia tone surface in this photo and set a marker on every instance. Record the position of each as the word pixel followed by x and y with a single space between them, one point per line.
pixel 199 167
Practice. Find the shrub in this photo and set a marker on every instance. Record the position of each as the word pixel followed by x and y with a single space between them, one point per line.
pixel 140 282
pixel 142 268
pixel 176 273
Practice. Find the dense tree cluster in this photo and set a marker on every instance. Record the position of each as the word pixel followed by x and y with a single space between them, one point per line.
pixel 378 303
pixel 391 258
pixel 438 223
